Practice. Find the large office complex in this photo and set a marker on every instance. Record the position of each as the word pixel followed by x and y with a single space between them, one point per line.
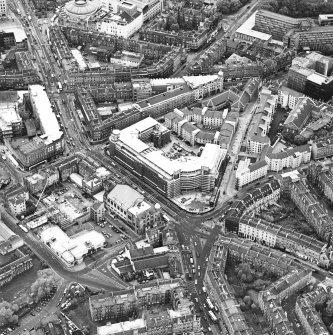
pixel 135 147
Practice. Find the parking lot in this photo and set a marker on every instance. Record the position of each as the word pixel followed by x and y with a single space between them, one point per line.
pixel 112 232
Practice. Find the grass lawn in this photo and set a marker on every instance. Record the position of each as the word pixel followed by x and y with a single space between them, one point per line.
pixel 19 284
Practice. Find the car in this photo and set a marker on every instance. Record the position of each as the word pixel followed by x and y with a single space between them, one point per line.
pixel 196 282
pixel 199 274
pixel 196 300
pixel 199 267
pixel 206 259
pixel 32 313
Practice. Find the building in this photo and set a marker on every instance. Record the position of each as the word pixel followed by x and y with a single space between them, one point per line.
pixel 309 75
pixel 16 79
pixel 72 250
pixel 247 173
pixel 179 319
pixel 322 148
pixel 131 146
pixel 42 179
pixel 256 199
pixel 142 89
pixel 288 158
pixel 3 8
pixel 249 33
pixel 32 152
pixel 97 211
pixel 7 39
pixel 13 264
pixel 271 298
pixel 15 199
pixel 314 38
pixel 66 167
pixel 288 97
pixel 325 19
pixel 278 25
pixel 281 238
pixel 123 24
pixel 9 241
pixel 10 121
pixel 257 134
pixel 299 116
pixel 305 309
pixel 126 58
pixel 148 8
pixel 313 210
pixel 131 206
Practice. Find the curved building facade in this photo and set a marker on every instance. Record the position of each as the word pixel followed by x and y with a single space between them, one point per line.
pixel 134 147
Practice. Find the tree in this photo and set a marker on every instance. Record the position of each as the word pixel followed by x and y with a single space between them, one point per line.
pixel 174 27
pixel 7 312
pixel 329 307
pixel 299 140
pixel 284 11
pixel 43 284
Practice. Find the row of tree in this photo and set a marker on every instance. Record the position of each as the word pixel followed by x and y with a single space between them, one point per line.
pixel 230 6
pixel 300 8
pixel 44 283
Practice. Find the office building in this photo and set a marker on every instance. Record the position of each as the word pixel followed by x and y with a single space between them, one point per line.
pixel 171 177
pixel 131 206
pixel 42 179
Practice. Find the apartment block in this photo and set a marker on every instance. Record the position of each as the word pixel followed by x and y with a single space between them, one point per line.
pixel 247 173
pixel 322 148
pixel 288 158
pixel 281 238
pixel 305 309
pixel 288 97
pixel 122 303
pixel 278 25
pixel 254 200
pixel 257 134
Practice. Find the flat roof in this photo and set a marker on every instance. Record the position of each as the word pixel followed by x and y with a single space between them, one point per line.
pixel 121 327
pixel 247 29
pixel 48 121
pixel 125 195
pixel 317 78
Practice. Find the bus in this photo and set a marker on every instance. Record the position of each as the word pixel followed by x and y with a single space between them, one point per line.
pixel 23 228
pixel 212 316
pixel 59 86
pixel 209 303
pixel 166 218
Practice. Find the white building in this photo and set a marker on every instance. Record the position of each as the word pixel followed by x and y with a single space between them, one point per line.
pixel 245 32
pixel 171 176
pixel 247 173
pixel 126 58
pixel 120 24
pixel 260 124
pixel 3 8
pixel 288 98
pixel 130 205
pixel 289 158
pixel 148 8
pixel 9 241
pixel 72 250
